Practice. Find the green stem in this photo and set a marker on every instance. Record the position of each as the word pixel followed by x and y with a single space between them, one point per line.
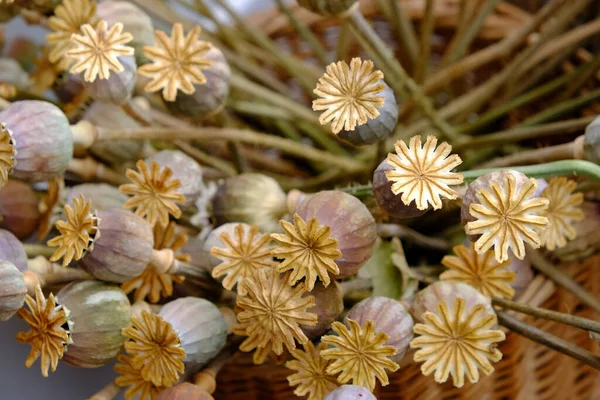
pixel 556 168
pixel 406 33
pixel 525 133
pixel 567 319
pixel 562 108
pixel 358 190
pixel 427 26
pixel 34 250
pixel 362 25
pixel 312 41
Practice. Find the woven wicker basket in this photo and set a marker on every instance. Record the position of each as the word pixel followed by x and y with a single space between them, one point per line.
pixel 528 370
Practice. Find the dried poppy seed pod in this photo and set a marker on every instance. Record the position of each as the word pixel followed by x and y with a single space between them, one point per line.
pixel 134 20
pixel 208 99
pixel 185 169
pixel 19 209
pixel 214 240
pixel 123 249
pixel 428 298
pixel 41 138
pixel 350 392
pixel 327 7
pixel 386 199
pixel 99 312
pixel 12 73
pixel 185 391
pixel 112 116
pixel 379 128
pixel 476 186
pixel 329 305
pixel 201 327
pixel 587 241
pixel 12 290
pixel 12 250
pixel 390 317
pixel 118 87
pixel 102 195
pixel 250 198
pixel 591 141
pixel 351 224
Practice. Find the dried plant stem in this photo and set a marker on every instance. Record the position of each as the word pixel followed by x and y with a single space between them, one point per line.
pixel 226 32
pixel 34 250
pixel 59 275
pixel 406 33
pixel 548 340
pixel 362 25
pixel 427 25
pixel 109 392
pixel 241 135
pixel 563 108
pixel 297 69
pixel 568 319
pixel 225 167
pixel 343 45
pixel 524 99
pixel 465 9
pixel 556 168
pixel 466 37
pixel 410 235
pixel 551 271
pixel 525 133
pixel 313 42
pixel 565 151
pixel 496 51
pixel 91 170
pixel 587 71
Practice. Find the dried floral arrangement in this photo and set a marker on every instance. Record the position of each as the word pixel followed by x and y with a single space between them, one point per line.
pixel 298 194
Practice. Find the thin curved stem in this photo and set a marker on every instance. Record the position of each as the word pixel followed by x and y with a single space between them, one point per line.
pixel 241 135
pixel 556 168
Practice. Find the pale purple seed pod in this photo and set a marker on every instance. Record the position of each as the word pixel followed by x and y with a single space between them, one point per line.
pixel 184 391
pixel 42 138
pixel 250 198
pixel 123 249
pixel 379 128
pixel 329 305
pixel 185 169
pixel 102 195
pixel 12 290
pixel 12 250
pixel 523 273
pixel 112 116
pixel 351 224
pixel 214 240
pixel 483 183
pixel 446 291
pixel 201 327
pixel 11 72
pixel 327 7
pixel 386 199
pixel 591 141
pixel 19 209
pixel 99 311
pixel 208 99
pixel 134 20
pixel 117 89
pixel 389 317
pixel 350 392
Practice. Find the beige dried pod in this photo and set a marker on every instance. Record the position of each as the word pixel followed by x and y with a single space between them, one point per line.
pixel 102 195
pixel 429 298
pixel 185 169
pixel 386 199
pixel 389 317
pixel 99 311
pixel 13 74
pixel 37 139
pixel 134 20
pixel 209 98
pixel 19 209
pixel 184 391
pixel 250 198
pixel 351 223
pixel 12 290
